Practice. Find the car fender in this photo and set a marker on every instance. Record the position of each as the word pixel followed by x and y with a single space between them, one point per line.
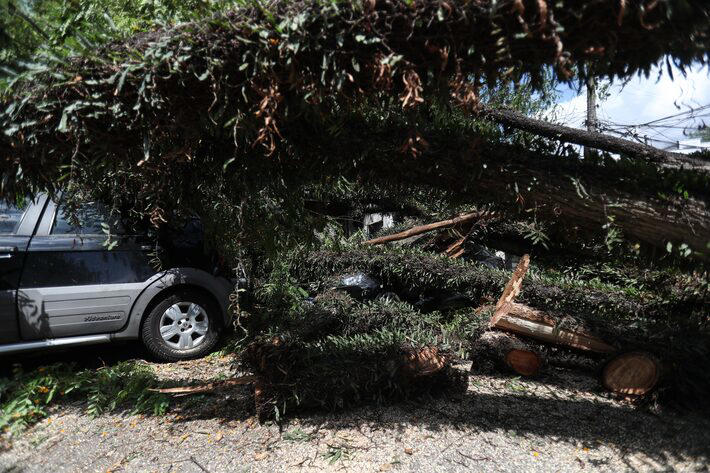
pixel 219 287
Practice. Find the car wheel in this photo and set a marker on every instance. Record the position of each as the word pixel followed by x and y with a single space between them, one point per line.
pixel 184 325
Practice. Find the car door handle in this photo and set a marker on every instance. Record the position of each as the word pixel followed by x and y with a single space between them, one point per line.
pixel 149 247
pixel 6 252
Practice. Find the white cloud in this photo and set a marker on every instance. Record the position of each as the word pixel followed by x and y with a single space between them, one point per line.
pixel 643 100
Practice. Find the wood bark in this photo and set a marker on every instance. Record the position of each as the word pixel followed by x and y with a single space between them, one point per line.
pixel 646 219
pixel 456 249
pixel 418 230
pixel 591 139
pixel 511 290
pixel 536 324
pixel 591 110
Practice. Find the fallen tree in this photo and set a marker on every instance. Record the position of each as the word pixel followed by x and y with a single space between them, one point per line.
pixel 523 320
pixel 412 273
pixel 336 352
pixel 623 199
pixel 630 373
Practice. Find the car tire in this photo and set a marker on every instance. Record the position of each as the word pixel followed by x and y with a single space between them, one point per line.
pixel 184 325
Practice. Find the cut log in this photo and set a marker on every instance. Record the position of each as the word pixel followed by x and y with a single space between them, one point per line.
pixel 536 324
pixel 632 373
pixel 498 351
pixel 427 228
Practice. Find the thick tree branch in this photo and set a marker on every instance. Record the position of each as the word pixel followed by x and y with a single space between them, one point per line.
pixel 591 139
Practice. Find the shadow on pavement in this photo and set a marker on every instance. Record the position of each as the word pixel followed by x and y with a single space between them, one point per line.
pixel 93 356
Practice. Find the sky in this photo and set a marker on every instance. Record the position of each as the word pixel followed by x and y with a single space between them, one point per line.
pixel 643 100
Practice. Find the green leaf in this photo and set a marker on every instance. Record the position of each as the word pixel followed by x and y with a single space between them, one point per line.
pixel 227 163
pixel 121 81
pixel 62 127
pixel 440 14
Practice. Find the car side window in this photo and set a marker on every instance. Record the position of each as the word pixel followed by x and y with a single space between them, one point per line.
pixel 11 217
pixel 89 219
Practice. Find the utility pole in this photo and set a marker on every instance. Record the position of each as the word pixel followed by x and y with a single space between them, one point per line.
pixel 591 109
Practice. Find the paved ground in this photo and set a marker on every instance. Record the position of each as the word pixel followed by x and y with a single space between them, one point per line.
pixel 559 423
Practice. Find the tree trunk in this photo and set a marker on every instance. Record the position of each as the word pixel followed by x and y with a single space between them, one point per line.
pixel 591 139
pixel 591 203
pixel 523 320
pixel 497 351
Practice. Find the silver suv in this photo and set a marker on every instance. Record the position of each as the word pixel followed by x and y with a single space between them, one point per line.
pixel 63 284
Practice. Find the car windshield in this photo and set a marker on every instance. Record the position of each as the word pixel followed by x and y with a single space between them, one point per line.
pixel 11 216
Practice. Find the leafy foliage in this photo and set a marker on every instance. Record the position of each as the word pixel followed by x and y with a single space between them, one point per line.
pixel 413 273
pixel 660 311
pixel 26 397
pixel 333 352
pixel 31 29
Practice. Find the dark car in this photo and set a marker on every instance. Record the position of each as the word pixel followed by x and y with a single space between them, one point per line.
pixel 65 283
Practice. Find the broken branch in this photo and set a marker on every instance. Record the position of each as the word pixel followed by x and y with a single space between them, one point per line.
pixel 418 230
pixel 205 388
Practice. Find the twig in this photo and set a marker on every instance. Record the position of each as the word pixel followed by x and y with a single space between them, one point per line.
pixel 198 465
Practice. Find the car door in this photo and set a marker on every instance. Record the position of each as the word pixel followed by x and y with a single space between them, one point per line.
pixel 17 223
pixel 79 279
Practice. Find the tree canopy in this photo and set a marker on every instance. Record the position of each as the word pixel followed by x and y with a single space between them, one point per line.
pixel 259 96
